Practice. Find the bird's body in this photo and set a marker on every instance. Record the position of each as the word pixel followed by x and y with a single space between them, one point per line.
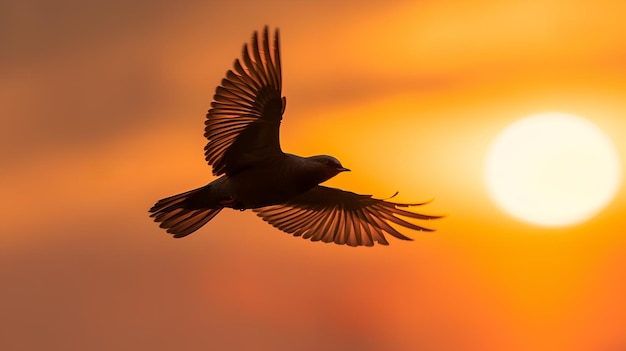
pixel 278 181
pixel 271 183
pixel 242 127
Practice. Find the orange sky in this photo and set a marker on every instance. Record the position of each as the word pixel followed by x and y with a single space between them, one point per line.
pixel 103 112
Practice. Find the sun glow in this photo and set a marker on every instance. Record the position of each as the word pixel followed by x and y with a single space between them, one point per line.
pixel 552 169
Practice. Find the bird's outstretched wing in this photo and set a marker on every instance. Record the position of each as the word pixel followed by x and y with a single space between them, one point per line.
pixel 243 123
pixel 334 215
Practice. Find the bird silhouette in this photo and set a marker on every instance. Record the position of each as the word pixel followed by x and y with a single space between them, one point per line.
pixel 242 127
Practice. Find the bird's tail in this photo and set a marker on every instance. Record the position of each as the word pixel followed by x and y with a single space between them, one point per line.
pixel 185 213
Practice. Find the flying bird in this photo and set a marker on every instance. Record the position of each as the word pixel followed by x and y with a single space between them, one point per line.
pixel 242 128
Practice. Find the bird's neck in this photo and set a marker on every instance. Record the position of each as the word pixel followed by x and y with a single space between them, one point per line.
pixel 308 173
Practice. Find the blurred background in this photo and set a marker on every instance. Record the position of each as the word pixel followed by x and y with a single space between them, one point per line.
pixel 103 105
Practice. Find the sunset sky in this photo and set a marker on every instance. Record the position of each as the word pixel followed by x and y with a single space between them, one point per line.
pixel 103 114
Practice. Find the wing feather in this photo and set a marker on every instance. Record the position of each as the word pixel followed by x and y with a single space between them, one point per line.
pixel 345 218
pixel 243 122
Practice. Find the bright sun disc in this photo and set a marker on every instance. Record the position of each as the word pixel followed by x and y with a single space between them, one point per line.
pixel 552 169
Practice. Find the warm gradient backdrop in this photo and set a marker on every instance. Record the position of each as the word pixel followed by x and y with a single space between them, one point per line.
pixel 103 106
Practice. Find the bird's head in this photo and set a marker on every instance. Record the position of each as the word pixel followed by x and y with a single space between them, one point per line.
pixel 327 166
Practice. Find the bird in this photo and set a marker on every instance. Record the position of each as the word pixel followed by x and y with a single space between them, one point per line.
pixel 243 149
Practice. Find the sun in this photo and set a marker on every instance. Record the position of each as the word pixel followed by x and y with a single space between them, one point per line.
pixel 552 169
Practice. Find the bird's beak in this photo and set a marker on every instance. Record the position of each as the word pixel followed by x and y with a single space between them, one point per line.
pixel 342 169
